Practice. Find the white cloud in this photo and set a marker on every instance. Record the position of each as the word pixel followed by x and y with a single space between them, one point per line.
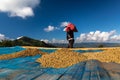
pixel 58 41
pixel 50 28
pixel 63 24
pixel 2 37
pixel 54 40
pixel 98 36
pixel 45 40
pixel 115 38
pixel 93 36
pixel 20 8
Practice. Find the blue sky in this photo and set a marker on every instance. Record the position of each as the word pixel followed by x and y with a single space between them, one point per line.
pixel 96 20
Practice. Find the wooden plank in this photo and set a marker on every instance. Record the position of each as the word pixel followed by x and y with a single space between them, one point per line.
pixel 47 77
pixel 52 74
pixel 74 73
pixel 88 70
pixel 114 75
pixel 30 74
pixel 94 76
pixel 113 70
pixel 94 71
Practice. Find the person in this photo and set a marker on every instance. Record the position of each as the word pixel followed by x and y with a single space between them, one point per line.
pixel 70 37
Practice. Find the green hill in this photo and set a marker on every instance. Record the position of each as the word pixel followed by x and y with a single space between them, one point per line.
pixel 24 41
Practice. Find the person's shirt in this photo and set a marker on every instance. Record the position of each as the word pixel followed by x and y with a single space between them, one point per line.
pixel 70 35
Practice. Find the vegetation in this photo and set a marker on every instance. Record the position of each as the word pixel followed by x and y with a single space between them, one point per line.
pixel 24 41
pixel 100 46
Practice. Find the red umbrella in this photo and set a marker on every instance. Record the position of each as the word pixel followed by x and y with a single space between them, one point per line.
pixel 72 27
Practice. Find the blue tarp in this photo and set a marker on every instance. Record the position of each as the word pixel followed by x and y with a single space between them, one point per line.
pixel 25 68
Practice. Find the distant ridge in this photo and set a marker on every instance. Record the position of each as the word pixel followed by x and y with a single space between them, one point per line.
pixel 27 41
pixel 24 41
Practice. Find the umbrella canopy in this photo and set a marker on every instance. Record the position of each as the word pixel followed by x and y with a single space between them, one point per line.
pixel 72 27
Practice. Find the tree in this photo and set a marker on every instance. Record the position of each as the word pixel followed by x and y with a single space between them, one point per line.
pixel 101 45
pixel 7 43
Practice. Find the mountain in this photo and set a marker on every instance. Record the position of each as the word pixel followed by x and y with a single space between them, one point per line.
pixel 25 41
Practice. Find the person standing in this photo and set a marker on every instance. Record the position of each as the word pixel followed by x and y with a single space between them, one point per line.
pixel 70 38
pixel 70 29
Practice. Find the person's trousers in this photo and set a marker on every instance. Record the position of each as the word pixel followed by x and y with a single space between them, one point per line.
pixel 71 42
